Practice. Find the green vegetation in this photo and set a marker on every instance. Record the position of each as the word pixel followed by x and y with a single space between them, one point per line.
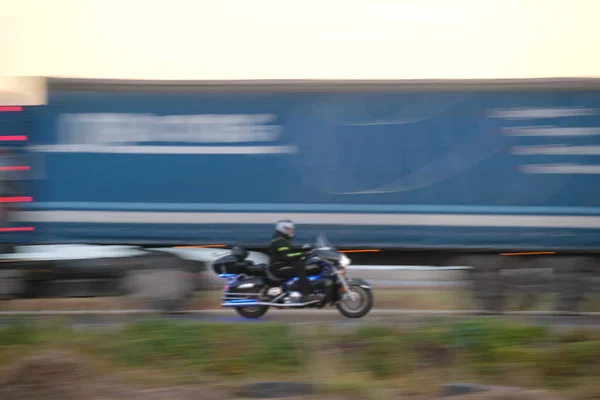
pixel 491 350
pixel 416 359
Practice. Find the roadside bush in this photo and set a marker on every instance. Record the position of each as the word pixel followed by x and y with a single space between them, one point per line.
pixel 489 350
pixel 377 350
pixel 221 348
pixel 19 332
pixel 570 360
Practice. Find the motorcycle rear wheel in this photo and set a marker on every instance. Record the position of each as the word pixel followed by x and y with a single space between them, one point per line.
pixel 252 312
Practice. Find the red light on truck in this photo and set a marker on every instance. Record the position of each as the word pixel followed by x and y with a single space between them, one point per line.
pixel 18 199
pixel 12 138
pixel 18 229
pixel 16 168
pixel 11 108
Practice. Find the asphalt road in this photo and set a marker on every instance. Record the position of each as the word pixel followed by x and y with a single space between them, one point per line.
pixel 399 318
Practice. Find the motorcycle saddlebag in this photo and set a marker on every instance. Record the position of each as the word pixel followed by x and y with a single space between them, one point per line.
pixel 230 265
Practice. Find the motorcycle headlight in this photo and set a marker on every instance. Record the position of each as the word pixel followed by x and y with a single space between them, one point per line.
pixel 344 261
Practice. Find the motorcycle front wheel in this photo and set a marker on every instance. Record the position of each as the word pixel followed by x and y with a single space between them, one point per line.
pixel 252 312
pixel 358 308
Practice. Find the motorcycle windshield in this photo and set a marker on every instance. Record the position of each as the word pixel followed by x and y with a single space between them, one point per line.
pixel 322 242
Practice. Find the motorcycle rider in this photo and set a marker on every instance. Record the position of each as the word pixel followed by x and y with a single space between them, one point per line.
pixel 287 261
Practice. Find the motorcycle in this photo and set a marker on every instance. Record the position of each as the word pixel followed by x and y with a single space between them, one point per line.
pixel 252 289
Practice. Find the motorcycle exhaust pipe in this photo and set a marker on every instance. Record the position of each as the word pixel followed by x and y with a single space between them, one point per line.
pixel 244 303
pixel 254 303
pixel 227 298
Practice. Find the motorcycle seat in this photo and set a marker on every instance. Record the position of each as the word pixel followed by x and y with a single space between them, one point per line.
pixel 269 275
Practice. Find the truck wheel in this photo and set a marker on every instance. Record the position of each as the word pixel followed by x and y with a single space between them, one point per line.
pixel 488 286
pixel 571 274
pixel 12 283
pixel 252 312
pixel 170 306
pixel 164 283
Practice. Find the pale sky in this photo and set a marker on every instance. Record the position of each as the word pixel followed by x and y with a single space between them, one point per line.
pixel 300 39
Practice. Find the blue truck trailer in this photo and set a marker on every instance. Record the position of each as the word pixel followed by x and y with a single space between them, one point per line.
pixel 439 172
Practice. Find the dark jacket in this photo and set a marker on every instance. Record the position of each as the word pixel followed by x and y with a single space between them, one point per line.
pixel 281 250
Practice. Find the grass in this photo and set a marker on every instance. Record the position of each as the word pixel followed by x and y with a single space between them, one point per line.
pixel 412 361
pixel 384 299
